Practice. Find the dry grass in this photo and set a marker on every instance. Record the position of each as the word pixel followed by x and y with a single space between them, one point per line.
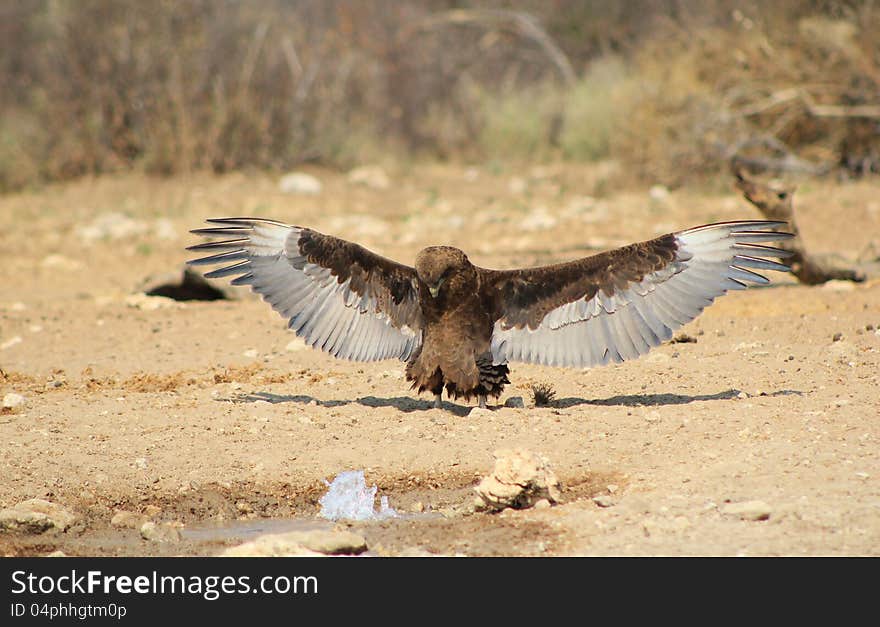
pixel 670 91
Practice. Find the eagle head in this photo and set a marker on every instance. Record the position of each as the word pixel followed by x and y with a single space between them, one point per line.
pixel 437 266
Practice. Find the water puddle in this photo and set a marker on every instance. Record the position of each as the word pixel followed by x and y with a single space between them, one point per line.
pixel 246 530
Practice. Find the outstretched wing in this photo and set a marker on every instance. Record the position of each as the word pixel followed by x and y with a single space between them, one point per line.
pixel 619 304
pixel 336 295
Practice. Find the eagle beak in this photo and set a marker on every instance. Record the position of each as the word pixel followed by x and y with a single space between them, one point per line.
pixel 435 289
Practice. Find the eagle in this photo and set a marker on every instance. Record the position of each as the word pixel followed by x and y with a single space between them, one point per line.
pixel 457 325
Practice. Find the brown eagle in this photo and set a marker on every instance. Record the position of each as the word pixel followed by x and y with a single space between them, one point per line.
pixel 458 325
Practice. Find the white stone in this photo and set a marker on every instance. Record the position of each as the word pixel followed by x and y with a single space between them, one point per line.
pixel 300 183
pixel 13 400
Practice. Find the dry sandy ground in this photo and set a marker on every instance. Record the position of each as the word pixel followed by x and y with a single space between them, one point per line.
pixel 208 415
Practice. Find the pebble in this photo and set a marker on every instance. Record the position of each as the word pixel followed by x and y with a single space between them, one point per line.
pixel 516 402
pixel 150 303
pixel 748 510
pixel 60 262
pixel 479 412
pixel 112 226
pixel 659 193
pixel 653 416
pixel 127 520
pixel 13 400
pixel 837 337
pixel 162 533
pixel 314 543
pixel 165 229
pixel 839 286
pixel 300 183
pixel 330 542
pixel 296 345
pixel 36 516
pixel 603 500
pixel 11 342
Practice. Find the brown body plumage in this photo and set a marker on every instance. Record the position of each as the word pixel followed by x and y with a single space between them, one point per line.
pixel 458 319
pixel 458 325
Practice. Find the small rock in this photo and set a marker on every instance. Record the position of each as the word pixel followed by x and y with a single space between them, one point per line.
pixel 300 183
pixel 162 533
pixel 542 504
pixel 164 229
pixel 16 339
pixel 329 542
pixel 152 510
pixel 36 516
pixel 372 176
pixel 12 519
pixel 296 345
pixel 839 286
pixel 150 303
pixel 56 554
pixel 516 402
pixel 273 545
pixel 127 520
pixel 837 337
pixel 519 480
pixel 748 510
pixel 612 488
pixel 300 544
pixel 244 507
pixel 603 500
pixel 141 463
pixel 13 400
pixel 417 507
pixel 111 226
pixel 60 262
pixel 479 412
pixel 658 193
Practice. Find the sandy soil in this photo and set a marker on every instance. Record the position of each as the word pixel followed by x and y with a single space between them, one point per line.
pixel 212 414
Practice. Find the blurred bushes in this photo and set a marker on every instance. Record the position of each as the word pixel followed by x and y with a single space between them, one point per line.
pixel 671 89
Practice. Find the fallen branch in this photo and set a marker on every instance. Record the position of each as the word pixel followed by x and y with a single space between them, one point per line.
pixel 795 94
pixel 776 204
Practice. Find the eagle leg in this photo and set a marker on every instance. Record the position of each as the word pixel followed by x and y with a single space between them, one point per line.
pixel 482 398
pixel 437 402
